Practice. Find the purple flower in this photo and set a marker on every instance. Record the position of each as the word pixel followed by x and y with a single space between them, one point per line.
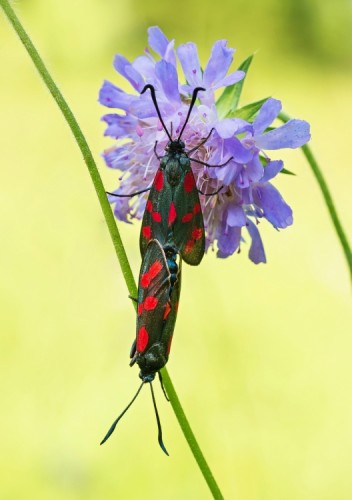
pixel 214 75
pixel 247 195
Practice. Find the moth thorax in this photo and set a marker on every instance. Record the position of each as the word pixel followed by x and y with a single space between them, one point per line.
pixel 171 255
pixel 170 252
pixel 173 172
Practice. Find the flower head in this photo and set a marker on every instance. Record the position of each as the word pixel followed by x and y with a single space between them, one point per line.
pixel 247 195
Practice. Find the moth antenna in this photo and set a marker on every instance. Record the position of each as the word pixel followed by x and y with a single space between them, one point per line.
pixel 193 100
pixel 152 91
pixel 162 386
pixel 112 428
pixel 160 434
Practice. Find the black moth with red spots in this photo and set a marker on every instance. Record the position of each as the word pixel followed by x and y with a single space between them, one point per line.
pixel 158 296
pixel 173 208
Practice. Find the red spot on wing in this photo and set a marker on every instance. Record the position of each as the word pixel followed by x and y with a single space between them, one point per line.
pixel 159 180
pixel 140 309
pixel 167 310
pixel 189 183
pixel 172 214
pixel 155 269
pixel 142 339
pixel 189 246
pixel 169 345
pixel 197 233
pixel 156 216
pixel 146 232
pixel 187 217
pixel 150 303
pixel 145 280
pixel 196 208
pixel 149 206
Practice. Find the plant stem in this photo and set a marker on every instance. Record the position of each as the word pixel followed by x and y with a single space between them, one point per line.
pixel 111 223
pixel 327 197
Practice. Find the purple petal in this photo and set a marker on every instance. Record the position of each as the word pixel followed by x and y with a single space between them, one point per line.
pixel 218 64
pixel 157 40
pixel 121 208
pixel 228 127
pixel 267 114
pixel 228 241
pixel 235 216
pixel 275 209
pixel 242 179
pixel 189 60
pixel 292 134
pixel 113 97
pixel 255 169
pixel 208 97
pixel 227 174
pixel 256 251
pixel 252 172
pixel 143 107
pixel 230 79
pixel 234 147
pixel 116 157
pixel 125 68
pixel 167 75
pixel 272 169
pixel 146 66
pixel 169 55
pixel 139 208
pixel 119 125
pixel 186 90
pixel 247 199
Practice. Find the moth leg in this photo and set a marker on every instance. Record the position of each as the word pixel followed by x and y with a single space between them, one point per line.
pixel 162 386
pixel 128 195
pixel 211 194
pixel 201 143
pixel 155 151
pixel 212 166
pixel 133 350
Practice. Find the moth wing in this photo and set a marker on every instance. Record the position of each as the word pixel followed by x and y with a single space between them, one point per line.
pixel 155 218
pixel 188 228
pixel 153 296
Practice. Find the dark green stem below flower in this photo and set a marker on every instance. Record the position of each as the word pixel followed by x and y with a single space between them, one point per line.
pixel 111 223
pixel 327 197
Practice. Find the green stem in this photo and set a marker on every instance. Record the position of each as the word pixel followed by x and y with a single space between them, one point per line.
pixel 111 223
pixel 188 433
pixel 327 197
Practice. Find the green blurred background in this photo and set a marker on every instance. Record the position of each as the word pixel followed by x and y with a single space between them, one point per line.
pixel 262 354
